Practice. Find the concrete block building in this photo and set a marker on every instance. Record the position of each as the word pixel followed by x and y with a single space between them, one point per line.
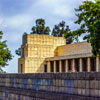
pixel 34 49
pixel 45 53
pixel 73 58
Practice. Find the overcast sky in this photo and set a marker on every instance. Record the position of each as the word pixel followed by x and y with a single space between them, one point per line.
pixel 18 16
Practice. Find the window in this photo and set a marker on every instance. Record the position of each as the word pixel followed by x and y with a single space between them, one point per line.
pixel 69 64
pixel 57 66
pixel 63 65
pixel 21 68
pixel 93 63
pixel 52 66
pixel 84 64
pixel 45 68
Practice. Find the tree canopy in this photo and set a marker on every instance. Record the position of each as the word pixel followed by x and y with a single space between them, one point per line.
pixel 59 29
pixel 69 36
pixel 5 54
pixel 88 15
pixel 63 30
pixel 18 52
pixel 40 27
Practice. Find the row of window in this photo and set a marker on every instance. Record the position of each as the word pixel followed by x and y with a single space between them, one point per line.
pixel 77 65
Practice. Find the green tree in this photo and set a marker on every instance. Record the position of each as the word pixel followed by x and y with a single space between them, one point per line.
pixel 55 31
pixel 40 27
pixel 5 54
pixel 63 30
pixel 89 20
pixel 59 29
pixel 18 52
pixel 69 36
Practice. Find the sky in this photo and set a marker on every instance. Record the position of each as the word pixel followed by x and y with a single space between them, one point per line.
pixel 18 16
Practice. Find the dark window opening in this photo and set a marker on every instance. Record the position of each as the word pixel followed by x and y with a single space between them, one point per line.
pixel 57 66
pixel 84 64
pixel 77 64
pixel 63 65
pixel 93 64
pixel 52 66
pixel 21 68
pixel 69 65
pixel 45 68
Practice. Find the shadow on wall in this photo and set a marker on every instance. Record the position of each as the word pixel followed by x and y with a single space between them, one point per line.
pixel 42 67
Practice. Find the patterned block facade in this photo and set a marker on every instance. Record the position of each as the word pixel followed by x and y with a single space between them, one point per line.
pixel 75 57
pixel 50 86
pixel 45 53
pixel 35 48
pixel 73 49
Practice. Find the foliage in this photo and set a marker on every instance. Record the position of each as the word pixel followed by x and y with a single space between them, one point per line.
pixel 89 20
pixel 24 33
pixel 5 54
pixel 59 29
pixel 69 36
pixel 40 27
pixel 63 30
pixel 18 52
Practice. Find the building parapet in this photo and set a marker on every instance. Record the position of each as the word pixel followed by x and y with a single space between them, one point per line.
pixel 69 56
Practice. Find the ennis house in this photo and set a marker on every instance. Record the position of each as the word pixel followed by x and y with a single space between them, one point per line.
pixel 45 53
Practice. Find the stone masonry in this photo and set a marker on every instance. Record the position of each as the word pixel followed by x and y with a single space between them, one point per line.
pixel 35 48
pixel 50 86
pixel 75 57
pixel 45 53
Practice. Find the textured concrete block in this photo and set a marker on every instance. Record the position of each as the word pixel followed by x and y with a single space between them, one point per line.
pixel 48 83
pixel 87 92
pixel 83 91
pixel 79 83
pixel 92 84
pixel 79 91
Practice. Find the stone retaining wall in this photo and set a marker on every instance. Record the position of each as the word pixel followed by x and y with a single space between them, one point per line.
pixel 50 86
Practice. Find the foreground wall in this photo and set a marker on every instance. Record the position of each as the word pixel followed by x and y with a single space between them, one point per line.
pixel 50 86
